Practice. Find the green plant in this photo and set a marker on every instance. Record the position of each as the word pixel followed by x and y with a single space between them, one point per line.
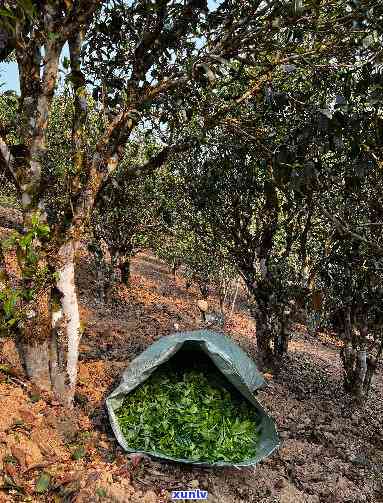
pixel 36 275
pixel 43 483
pixel 101 492
pixel 10 459
pixel 79 453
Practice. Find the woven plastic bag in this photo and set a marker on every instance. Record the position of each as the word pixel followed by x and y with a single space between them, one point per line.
pixel 227 357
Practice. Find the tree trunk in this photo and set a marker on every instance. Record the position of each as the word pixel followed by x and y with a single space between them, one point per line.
pixel 282 337
pixel 358 366
pixel 175 266
pixel 358 371
pixel 35 357
pixel 204 289
pixel 106 263
pixel 33 341
pixel 50 350
pixel 264 337
pixel 69 321
pixel 124 267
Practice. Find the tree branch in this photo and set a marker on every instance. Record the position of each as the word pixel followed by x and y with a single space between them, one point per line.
pixel 79 17
pixel 154 162
pixel 80 108
pixel 7 163
pixel 346 232
pixel 160 158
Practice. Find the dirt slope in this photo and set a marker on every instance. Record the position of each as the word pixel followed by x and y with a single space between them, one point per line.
pixel 330 451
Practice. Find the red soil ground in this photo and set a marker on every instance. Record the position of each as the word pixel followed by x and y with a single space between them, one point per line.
pixel 331 451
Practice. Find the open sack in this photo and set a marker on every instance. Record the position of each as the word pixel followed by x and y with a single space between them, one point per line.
pixel 237 372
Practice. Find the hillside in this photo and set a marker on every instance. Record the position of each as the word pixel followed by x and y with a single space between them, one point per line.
pixel 331 451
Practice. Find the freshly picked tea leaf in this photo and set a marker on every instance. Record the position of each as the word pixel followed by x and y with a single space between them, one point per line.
pixel 187 414
pixel 43 482
pixel 79 453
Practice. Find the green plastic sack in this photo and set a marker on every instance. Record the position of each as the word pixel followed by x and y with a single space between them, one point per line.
pixel 227 356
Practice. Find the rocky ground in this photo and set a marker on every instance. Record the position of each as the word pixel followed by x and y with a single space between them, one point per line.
pixel 331 450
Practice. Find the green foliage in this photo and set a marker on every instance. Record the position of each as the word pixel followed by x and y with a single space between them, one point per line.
pixel 8 130
pixel 43 482
pixel 79 453
pixel 8 299
pixel 10 459
pixel 264 185
pixel 36 275
pixel 10 485
pixel 182 414
pixel 101 492
pixel 283 102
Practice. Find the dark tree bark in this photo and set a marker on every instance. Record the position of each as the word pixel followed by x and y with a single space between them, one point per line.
pixel 282 337
pixel 124 267
pixel 359 366
pixel 175 266
pixel 204 289
pixel 264 336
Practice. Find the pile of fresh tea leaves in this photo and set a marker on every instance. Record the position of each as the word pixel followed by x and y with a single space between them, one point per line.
pixel 183 414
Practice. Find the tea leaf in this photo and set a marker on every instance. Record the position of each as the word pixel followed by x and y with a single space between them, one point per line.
pixel 183 414
pixel 43 482
pixel 79 453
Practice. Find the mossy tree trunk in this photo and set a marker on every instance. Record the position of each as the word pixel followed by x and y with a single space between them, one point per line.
pixel 48 334
pixel 49 338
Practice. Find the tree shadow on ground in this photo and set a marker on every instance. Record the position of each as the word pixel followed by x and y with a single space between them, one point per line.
pixel 306 375
pixel 146 263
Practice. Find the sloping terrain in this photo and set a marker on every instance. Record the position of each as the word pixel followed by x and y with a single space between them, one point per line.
pixel 331 450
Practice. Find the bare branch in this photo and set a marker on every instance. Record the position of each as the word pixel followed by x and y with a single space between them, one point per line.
pixel 346 232
pixel 160 158
pixel 7 162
